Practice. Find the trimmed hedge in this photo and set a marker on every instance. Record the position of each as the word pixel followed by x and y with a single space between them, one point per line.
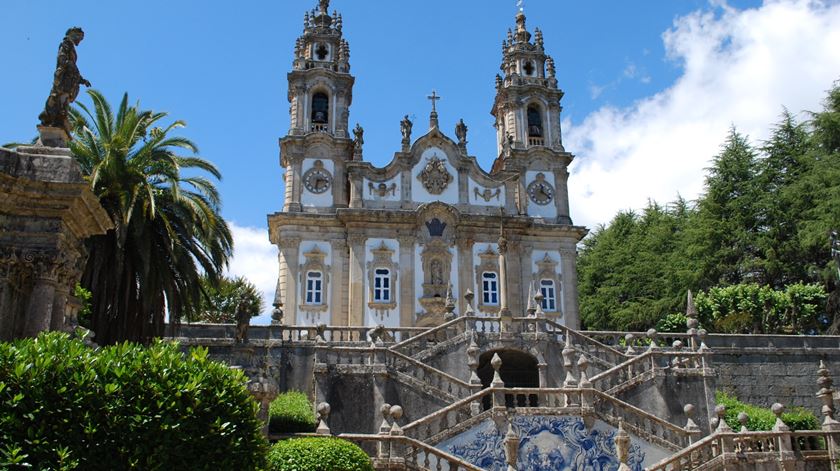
pixel 291 412
pixel 66 406
pixel 317 454
pixel 762 419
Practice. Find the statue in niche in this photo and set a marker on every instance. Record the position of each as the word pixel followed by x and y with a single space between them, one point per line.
pixel 436 276
pixel 66 83
pixel 461 132
pixel 405 129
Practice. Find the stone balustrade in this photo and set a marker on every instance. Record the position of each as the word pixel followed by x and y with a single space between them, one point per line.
pixel 408 453
pixel 643 368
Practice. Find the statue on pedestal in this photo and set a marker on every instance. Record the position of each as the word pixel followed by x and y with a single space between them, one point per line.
pixel 65 87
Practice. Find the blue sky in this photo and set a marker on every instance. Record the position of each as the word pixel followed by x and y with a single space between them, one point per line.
pixel 651 86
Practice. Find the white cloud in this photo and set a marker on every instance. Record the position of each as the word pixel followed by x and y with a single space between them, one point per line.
pixel 739 68
pixel 255 258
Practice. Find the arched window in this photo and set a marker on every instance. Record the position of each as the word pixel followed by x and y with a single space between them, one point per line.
pixel 382 285
pixel 314 288
pixel 490 288
pixel 549 293
pixel 320 108
pixel 535 127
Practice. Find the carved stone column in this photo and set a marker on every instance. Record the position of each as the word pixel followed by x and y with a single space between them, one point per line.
pixel 570 294
pixel 561 178
pixel 356 307
pixel 406 281
pixel 466 270
pixel 39 309
pixel 338 304
pixel 289 261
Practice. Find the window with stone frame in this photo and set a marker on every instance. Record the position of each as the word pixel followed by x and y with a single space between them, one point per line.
pixel 487 280
pixel 314 283
pixel 382 278
pixel 314 288
pixel 549 293
pixel 490 288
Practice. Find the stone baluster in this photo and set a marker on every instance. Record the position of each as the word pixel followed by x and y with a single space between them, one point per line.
pixel 384 430
pixel 498 396
pixel 651 335
pixel 787 457
pixel 622 447
pixel 397 456
pixel 691 321
pixel 323 414
pixel 587 397
pixel 570 381
pixel 628 340
pixel 691 427
pixel 511 444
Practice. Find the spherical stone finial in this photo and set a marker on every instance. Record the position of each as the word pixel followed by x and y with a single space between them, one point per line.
pixel 743 418
pixel 688 409
pixel 396 412
pixel 777 409
pixel 385 410
pixel 720 411
pixel 323 409
pixel 651 333
pixel 714 422
pixel 677 344
pixel 496 362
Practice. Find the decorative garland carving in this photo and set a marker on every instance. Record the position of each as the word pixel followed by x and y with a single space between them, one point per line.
pixel 489 263
pixel 382 190
pixel 487 194
pixel 382 258
pixel 435 177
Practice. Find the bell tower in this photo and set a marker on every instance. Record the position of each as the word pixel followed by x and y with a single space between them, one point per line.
pixel 320 93
pixel 527 111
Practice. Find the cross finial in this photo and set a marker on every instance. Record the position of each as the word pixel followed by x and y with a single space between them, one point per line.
pixel 434 97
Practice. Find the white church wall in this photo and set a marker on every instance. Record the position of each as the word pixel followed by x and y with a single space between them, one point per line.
pixel 419 192
pixel 305 316
pixel 386 317
pixel 388 190
pixel 547 210
pixel 480 195
pixel 320 200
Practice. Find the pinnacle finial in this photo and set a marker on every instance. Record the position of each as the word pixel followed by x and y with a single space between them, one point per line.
pixel 433 118
pixel 324 6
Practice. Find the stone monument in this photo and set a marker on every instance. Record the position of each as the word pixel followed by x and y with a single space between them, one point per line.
pixel 55 128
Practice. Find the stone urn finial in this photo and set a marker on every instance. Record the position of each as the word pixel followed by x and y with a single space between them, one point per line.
pixel 722 426
pixel 511 444
pixel 396 415
pixel 743 419
pixel 690 426
pixel 826 395
pixel 628 340
pixel 323 414
pixel 496 363
pixel 385 410
pixel 780 425
pixel 651 335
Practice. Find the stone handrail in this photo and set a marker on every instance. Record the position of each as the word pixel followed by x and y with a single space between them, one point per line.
pixel 421 341
pixel 596 351
pixel 643 424
pixel 424 375
pixel 640 368
pixel 719 341
pixel 721 448
pixel 401 452
pixel 293 333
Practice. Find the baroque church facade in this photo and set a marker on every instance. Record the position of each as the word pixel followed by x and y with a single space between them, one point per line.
pixel 431 232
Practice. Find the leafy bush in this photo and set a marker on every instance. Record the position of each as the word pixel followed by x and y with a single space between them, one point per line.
pixel 317 454
pixel 66 406
pixel 675 322
pixel 291 412
pixel 762 419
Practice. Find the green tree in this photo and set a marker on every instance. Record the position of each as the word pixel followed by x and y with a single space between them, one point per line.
pixel 167 225
pixel 222 300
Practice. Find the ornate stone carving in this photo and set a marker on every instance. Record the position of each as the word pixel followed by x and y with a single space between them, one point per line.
pixel 540 190
pixel 405 129
pixel 547 270
pixel 315 262
pixel 317 179
pixel 436 260
pixel 382 258
pixel 487 194
pixel 358 141
pixel 435 177
pixel 489 262
pixel 382 190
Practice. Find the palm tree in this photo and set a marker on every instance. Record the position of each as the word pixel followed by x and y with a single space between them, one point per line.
pixel 167 226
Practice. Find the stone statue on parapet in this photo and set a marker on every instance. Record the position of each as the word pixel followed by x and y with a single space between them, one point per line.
pixel 461 132
pixel 65 87
pixel 405 129
pixel 243 321
pixel 358 141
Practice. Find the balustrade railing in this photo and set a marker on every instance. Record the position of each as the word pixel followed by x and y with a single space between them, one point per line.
pixel 603 355
pixel 401 452
pixel 645 425
pixel 641 368
pixel 431 337
pixel 316 127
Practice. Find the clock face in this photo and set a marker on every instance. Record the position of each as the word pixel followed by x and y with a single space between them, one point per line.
pixel 317 179
pixel 540 190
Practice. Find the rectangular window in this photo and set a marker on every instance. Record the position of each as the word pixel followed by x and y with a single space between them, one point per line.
pixel 549 294
pixel 314 291
pixel 489 288
pixel 382 285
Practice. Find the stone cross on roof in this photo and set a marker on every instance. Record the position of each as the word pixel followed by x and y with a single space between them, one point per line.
pixel 433 118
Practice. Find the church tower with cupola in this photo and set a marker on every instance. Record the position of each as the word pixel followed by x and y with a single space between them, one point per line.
pixel 320 93
pixel 527 111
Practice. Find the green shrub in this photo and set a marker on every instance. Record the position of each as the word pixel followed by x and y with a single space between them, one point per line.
pixel 291 412
pixel 762 419
pixel 66 406
pixel 317 454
